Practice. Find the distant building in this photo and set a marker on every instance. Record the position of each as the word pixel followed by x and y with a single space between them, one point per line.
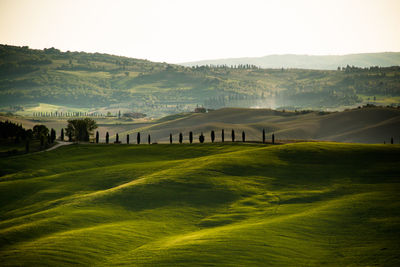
pixel 200 110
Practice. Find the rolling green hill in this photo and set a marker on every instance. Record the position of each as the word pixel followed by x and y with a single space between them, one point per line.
pixel 234 204
pixel 93 80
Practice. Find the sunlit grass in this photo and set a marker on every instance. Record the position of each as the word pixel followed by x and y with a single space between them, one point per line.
pixel 202 204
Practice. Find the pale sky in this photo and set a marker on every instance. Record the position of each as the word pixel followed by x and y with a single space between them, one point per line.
pixel 186 30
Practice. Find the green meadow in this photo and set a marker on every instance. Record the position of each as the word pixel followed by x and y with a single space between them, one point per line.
pixel 299 204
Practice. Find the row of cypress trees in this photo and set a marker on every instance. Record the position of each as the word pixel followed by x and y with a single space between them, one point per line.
pixel 212 137
pixel 201 137
pixel 117 141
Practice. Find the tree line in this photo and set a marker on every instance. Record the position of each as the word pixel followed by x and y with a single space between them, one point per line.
pixel 181 139
pixel 11 132
pixel 82 130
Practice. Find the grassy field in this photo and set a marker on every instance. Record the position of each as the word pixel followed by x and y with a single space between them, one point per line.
pixel 202 204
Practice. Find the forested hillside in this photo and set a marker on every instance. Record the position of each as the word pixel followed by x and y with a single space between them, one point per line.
pixel 81 79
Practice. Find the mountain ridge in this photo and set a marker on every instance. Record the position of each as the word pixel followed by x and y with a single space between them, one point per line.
pixel 306 61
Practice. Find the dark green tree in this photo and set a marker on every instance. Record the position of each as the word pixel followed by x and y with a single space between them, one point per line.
pixel 107 138
pixel 243 137
pixel 212 136
pixel 69 137
pixel 170 138
pixel 263 136
pixel 391 140
pixel 62 134
pixel 97 137
pixel 201 138
pixel 190 137
pixel 81 129
pixel 127 139
pixel 149 139
pixel 39 131
pixel 180 138
pixel 273 138
pixel 223 136
pixel 233 135
pixel 52 135
pixel 117 138
pixel 138 138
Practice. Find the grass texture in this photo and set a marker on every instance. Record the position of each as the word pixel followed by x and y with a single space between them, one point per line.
pixel 202 204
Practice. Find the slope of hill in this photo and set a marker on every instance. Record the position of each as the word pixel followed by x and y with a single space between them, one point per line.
pixel 210 204
pixel 309 62
pixel 84 80
pixel 365 125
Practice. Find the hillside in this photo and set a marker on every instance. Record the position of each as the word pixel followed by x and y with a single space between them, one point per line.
pixel 166 205
pixel 102 83
pixel 365 125
pixel 361 125
pixel 309 62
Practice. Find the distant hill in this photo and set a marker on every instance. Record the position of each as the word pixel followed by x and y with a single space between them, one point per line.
pixel 93 80
pixel 365 125
pixel 386 59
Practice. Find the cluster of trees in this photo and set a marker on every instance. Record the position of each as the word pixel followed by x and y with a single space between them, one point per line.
pixel 42 133
pixel 13 132
pixel 80 129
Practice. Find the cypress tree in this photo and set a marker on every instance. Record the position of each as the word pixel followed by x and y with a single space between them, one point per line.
pixel 138 138
pixel 148 139
pixel 190 137
pixel 97 137
pixel 273 139
pixel 107 138
pixel 180 138
pixel 243 137
pixel 117 138
pixel 233 135
pixel 212 136
pixel 52 135
pixel 201 138
pixel 263 136
pixel 62 134
pixel 391 140
pixel 70 137
pixel 127 139
pixel 223 136
pixel 170 138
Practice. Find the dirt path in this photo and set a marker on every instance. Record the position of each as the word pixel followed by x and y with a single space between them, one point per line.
pixel 59 143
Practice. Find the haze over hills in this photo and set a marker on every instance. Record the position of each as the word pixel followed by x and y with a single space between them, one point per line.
pixel 324 62
pixel 99 81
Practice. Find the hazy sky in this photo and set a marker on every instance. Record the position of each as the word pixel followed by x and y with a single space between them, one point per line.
pixel 185 30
